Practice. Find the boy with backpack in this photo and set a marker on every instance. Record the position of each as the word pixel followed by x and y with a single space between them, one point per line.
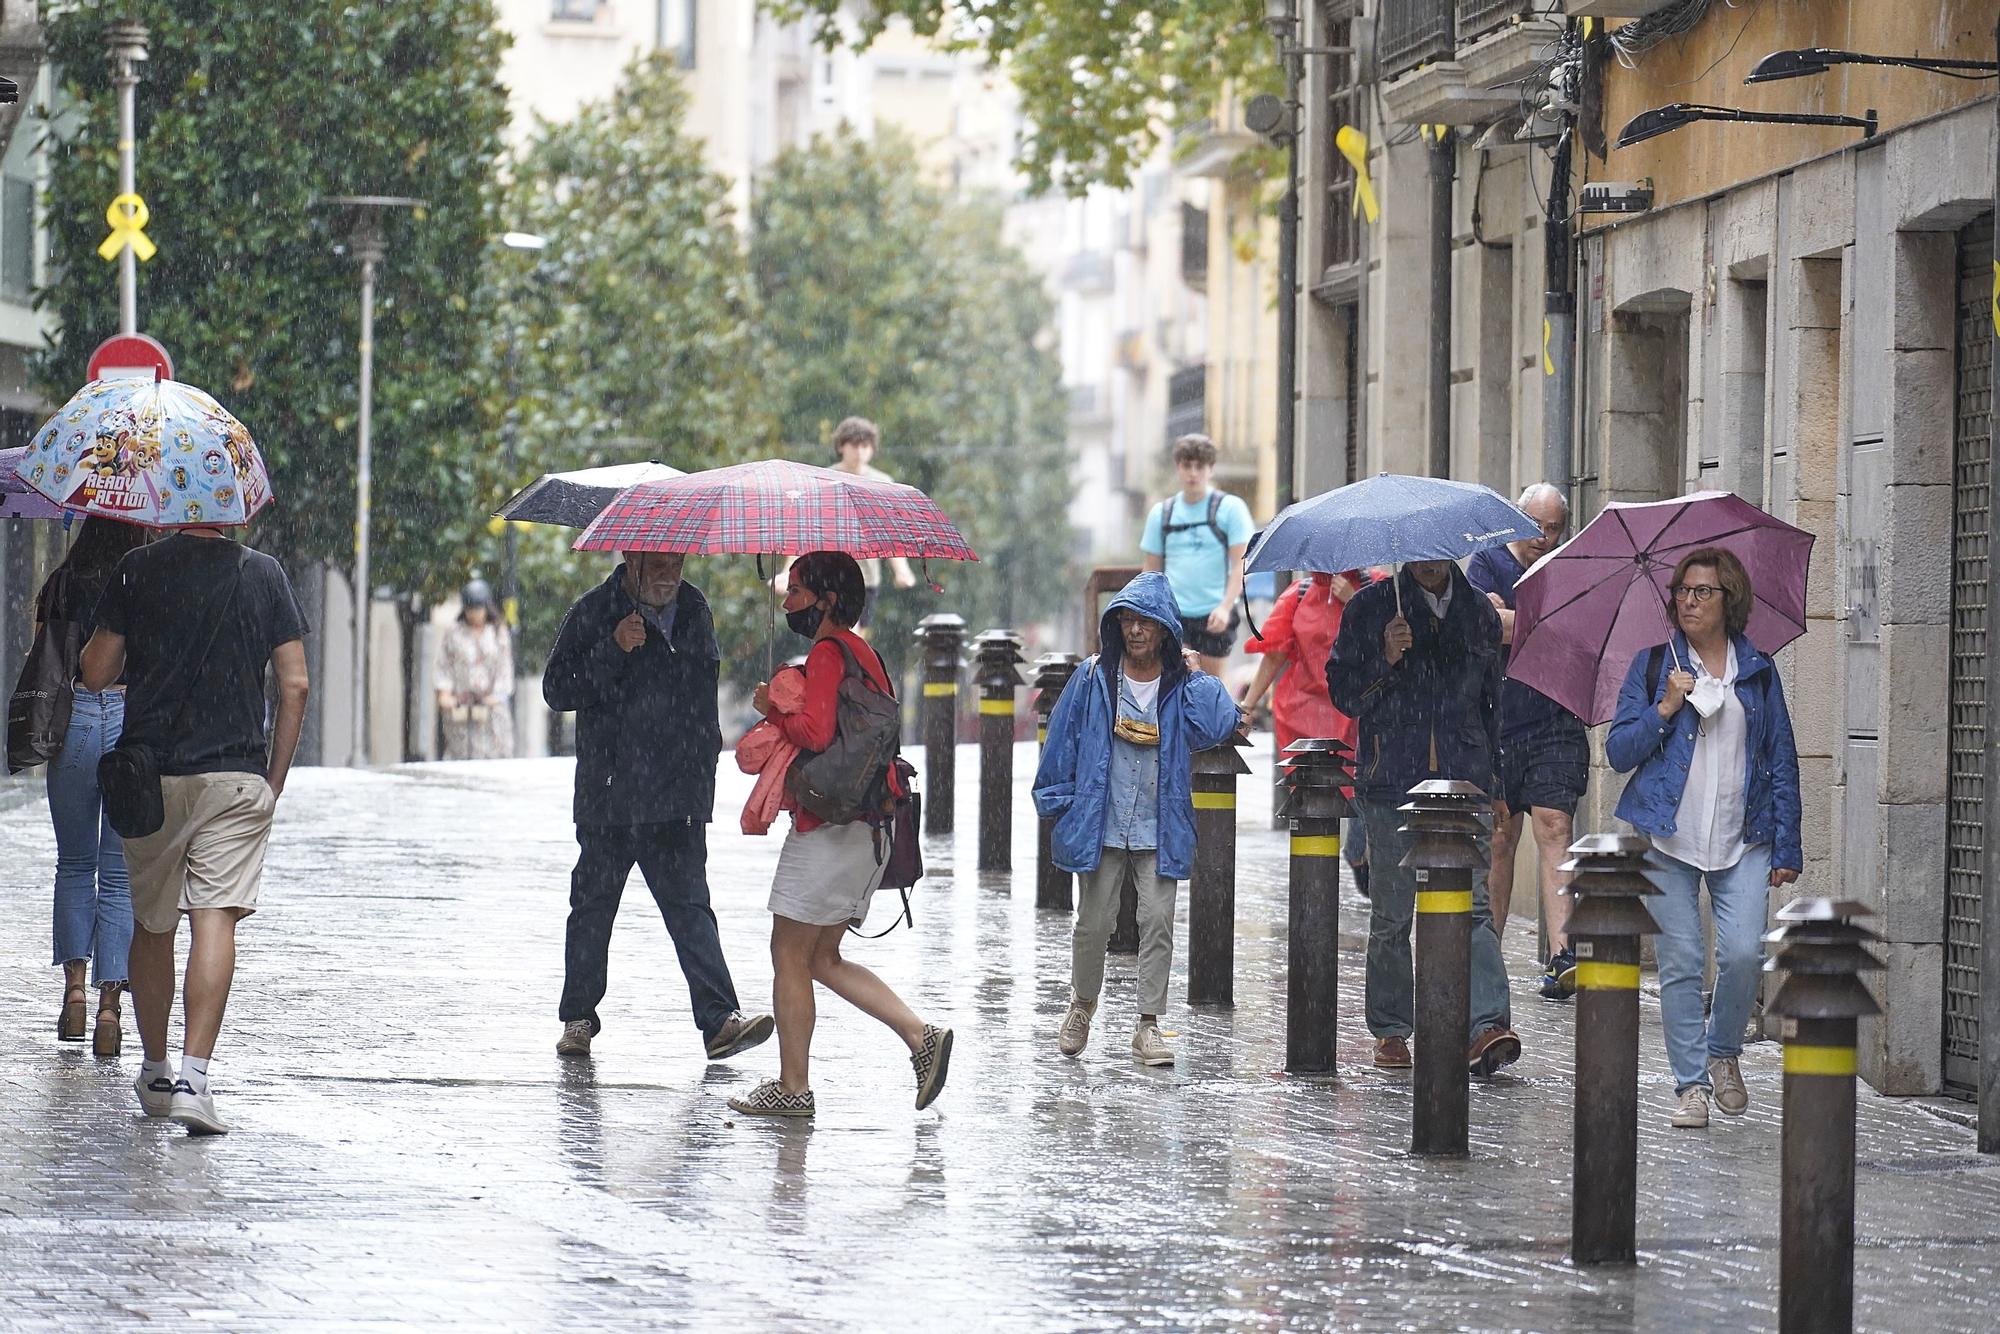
pixel 1197 538
pixel 830 868
pixel 1117 776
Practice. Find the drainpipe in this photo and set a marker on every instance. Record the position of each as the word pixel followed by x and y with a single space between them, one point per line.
pixel 1558 326
pixel 1989 947
pixel 1443 155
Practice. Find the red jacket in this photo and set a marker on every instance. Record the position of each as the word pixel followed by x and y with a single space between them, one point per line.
pixel 1303 626
pixel 812 727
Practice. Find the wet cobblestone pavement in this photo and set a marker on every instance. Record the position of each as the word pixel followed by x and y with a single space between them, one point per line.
pixel 409 1151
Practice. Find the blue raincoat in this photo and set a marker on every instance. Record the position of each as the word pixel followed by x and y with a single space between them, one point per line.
pixel 1074 778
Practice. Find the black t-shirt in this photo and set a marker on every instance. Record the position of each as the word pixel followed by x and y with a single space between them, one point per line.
pixel 164 600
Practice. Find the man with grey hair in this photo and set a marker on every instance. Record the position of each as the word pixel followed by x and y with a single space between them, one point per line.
pixel 1544 754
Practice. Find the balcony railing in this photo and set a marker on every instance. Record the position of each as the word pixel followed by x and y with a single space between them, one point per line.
pixel 1412 33
pixel 1476 18
pixel 1187 401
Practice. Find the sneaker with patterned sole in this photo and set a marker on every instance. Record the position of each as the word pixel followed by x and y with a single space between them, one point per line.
pixel 1559 978
pixel 1074 1035
pixel 930 1061
pixel 770 1099
pixel 1149 1048
pixel 739 1032
pixel 575 1039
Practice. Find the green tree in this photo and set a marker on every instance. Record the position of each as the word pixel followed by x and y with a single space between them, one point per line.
pixel 881 297
pixel 248 114
pixel 1100 80
pixel 631 335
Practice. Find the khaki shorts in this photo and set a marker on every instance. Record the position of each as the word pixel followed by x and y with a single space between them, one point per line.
pixel 209 853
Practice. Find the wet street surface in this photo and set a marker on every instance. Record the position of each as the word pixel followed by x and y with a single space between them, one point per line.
pixel 409 1150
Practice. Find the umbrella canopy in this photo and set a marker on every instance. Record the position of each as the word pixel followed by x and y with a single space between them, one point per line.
pixel 1387 520
pixel 1592 605
pixel 573 499
pixel 18 500
pixel 776 507
pixel 153 452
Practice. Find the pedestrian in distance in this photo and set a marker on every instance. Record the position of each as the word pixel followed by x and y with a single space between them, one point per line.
pixel 1197 537
pixel 637 661
pixel 1544 763
pixel 93 893
pixel 475 679
pixel 829 871
pixel 1417 663
pixel 855 442
pixel 1117 777
pixel 1703 729
pixel 191 623
pixel 1295 642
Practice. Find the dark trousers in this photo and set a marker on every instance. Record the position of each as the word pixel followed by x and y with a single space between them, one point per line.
pixel 674 860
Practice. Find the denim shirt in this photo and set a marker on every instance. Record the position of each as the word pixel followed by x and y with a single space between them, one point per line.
pixel 1132 817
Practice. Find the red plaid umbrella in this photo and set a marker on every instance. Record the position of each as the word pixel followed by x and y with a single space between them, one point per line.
pixel 775 507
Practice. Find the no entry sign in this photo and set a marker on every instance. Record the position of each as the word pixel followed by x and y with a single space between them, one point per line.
pixel 131 355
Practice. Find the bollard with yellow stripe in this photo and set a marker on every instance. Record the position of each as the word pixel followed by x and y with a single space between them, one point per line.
pixel 1212 886
pixel 996 655
pixel 1317 771
pixel 941 638
pixel 1055 888
pixel 1608 887
pixel 1445 821
pixel 1821 953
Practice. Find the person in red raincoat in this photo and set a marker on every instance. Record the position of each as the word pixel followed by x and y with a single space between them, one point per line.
pixel 1296 640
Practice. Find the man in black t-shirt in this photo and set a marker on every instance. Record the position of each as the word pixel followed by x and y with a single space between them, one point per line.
pixel 192 621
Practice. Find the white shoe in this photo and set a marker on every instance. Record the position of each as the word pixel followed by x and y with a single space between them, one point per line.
pixel 196 1111
pixel 1693 1111
pixel 155 1099
pixel 1149 1047
pixel 1074 1035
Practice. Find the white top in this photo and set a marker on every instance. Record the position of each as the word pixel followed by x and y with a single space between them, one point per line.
pixel 1708 827
pixel 1440 602
pixel 1146 694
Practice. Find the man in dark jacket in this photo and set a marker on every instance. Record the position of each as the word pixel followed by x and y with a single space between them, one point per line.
pixel 1422 682
pixel 636 659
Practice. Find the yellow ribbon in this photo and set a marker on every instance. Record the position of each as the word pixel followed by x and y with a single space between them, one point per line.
pixel 1548 363
pixel 128 216
pixel 1353 146
pixel 1996 296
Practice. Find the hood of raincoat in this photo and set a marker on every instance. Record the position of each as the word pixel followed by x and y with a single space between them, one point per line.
pixel 1151 596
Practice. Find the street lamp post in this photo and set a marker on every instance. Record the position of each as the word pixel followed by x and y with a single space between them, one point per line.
pixel 368 247
pixel 510 422
pixel 125 48
pixel 1281 19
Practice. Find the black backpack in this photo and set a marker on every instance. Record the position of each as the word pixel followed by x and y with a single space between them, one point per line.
pixel 849 780
pixel 1168 526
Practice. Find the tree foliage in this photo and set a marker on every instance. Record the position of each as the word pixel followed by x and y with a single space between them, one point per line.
pixel 249 114
pixel 881 297
pixel 1100 80
pixel 632 335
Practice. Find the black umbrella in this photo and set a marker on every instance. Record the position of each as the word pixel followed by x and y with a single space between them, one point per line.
pixel 573 499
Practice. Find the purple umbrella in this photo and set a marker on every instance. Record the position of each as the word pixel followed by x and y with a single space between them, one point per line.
pixel 18 500
pixel 1592 605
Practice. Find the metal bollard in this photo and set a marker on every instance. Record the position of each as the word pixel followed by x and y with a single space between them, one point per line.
pixel 1317 769
pixel 1445 820
pixel 1212 887
pixel 1821 952
pixel 1054 887
pixel 941 636
pixel 1610 915
pixel 994 655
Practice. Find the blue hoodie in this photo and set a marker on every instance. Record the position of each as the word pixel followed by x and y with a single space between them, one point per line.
pixel 1074 778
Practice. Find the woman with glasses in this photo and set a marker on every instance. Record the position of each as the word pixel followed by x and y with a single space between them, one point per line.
pixel 1702 721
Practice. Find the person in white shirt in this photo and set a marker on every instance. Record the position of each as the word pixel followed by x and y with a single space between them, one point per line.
pixel 1702 720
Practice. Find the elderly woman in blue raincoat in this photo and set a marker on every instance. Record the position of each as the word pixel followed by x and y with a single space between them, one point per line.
pixel 1117 777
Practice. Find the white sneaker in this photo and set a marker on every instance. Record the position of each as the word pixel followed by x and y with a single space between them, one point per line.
pixel 155 1099
pixel 1149 1047
pixel 1693 1111
pixel 1074 1035
pixel 196 1111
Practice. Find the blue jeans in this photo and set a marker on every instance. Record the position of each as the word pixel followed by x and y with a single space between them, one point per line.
pixel 1392 902
pixel 93 917
pixel 1738 899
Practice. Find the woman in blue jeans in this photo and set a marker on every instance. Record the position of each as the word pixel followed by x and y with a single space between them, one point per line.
pixel 1702 720
pixel 93 907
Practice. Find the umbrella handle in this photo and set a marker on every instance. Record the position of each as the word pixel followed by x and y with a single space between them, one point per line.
pixel 1671 649
pixel 1247 618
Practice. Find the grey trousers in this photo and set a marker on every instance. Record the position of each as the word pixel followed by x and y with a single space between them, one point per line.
pixel 1097 913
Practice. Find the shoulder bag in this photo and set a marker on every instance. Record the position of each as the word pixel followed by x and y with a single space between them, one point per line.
pixel 38 710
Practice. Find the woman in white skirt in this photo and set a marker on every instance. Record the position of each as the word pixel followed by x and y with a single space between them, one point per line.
pixel 828 872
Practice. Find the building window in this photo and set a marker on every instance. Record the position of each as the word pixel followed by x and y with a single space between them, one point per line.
pixel 674 30
pixel 1341 242
pixel 578 11
pixel 17 238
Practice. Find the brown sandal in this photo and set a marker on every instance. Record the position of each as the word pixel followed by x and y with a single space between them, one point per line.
pixel 75 1016
pixel 109 1037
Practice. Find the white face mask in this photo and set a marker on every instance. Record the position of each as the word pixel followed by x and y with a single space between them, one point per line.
pixel 1707 696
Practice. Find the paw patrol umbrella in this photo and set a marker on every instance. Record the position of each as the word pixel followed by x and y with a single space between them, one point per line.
pixel 153 452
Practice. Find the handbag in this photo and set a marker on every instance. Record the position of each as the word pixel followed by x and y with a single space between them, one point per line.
pixel 38 710
pixel 129 773
pixel 898 845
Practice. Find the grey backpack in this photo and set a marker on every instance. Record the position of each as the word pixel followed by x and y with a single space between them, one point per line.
pixel 849 780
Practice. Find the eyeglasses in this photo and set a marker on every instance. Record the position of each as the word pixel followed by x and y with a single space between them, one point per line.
pixel 1554 530
pixel 1693 592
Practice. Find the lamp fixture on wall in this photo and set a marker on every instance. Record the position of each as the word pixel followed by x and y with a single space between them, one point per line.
pixel 1666 119
pixel 1811 60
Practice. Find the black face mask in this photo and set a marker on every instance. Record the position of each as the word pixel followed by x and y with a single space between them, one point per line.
pixel 805 621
